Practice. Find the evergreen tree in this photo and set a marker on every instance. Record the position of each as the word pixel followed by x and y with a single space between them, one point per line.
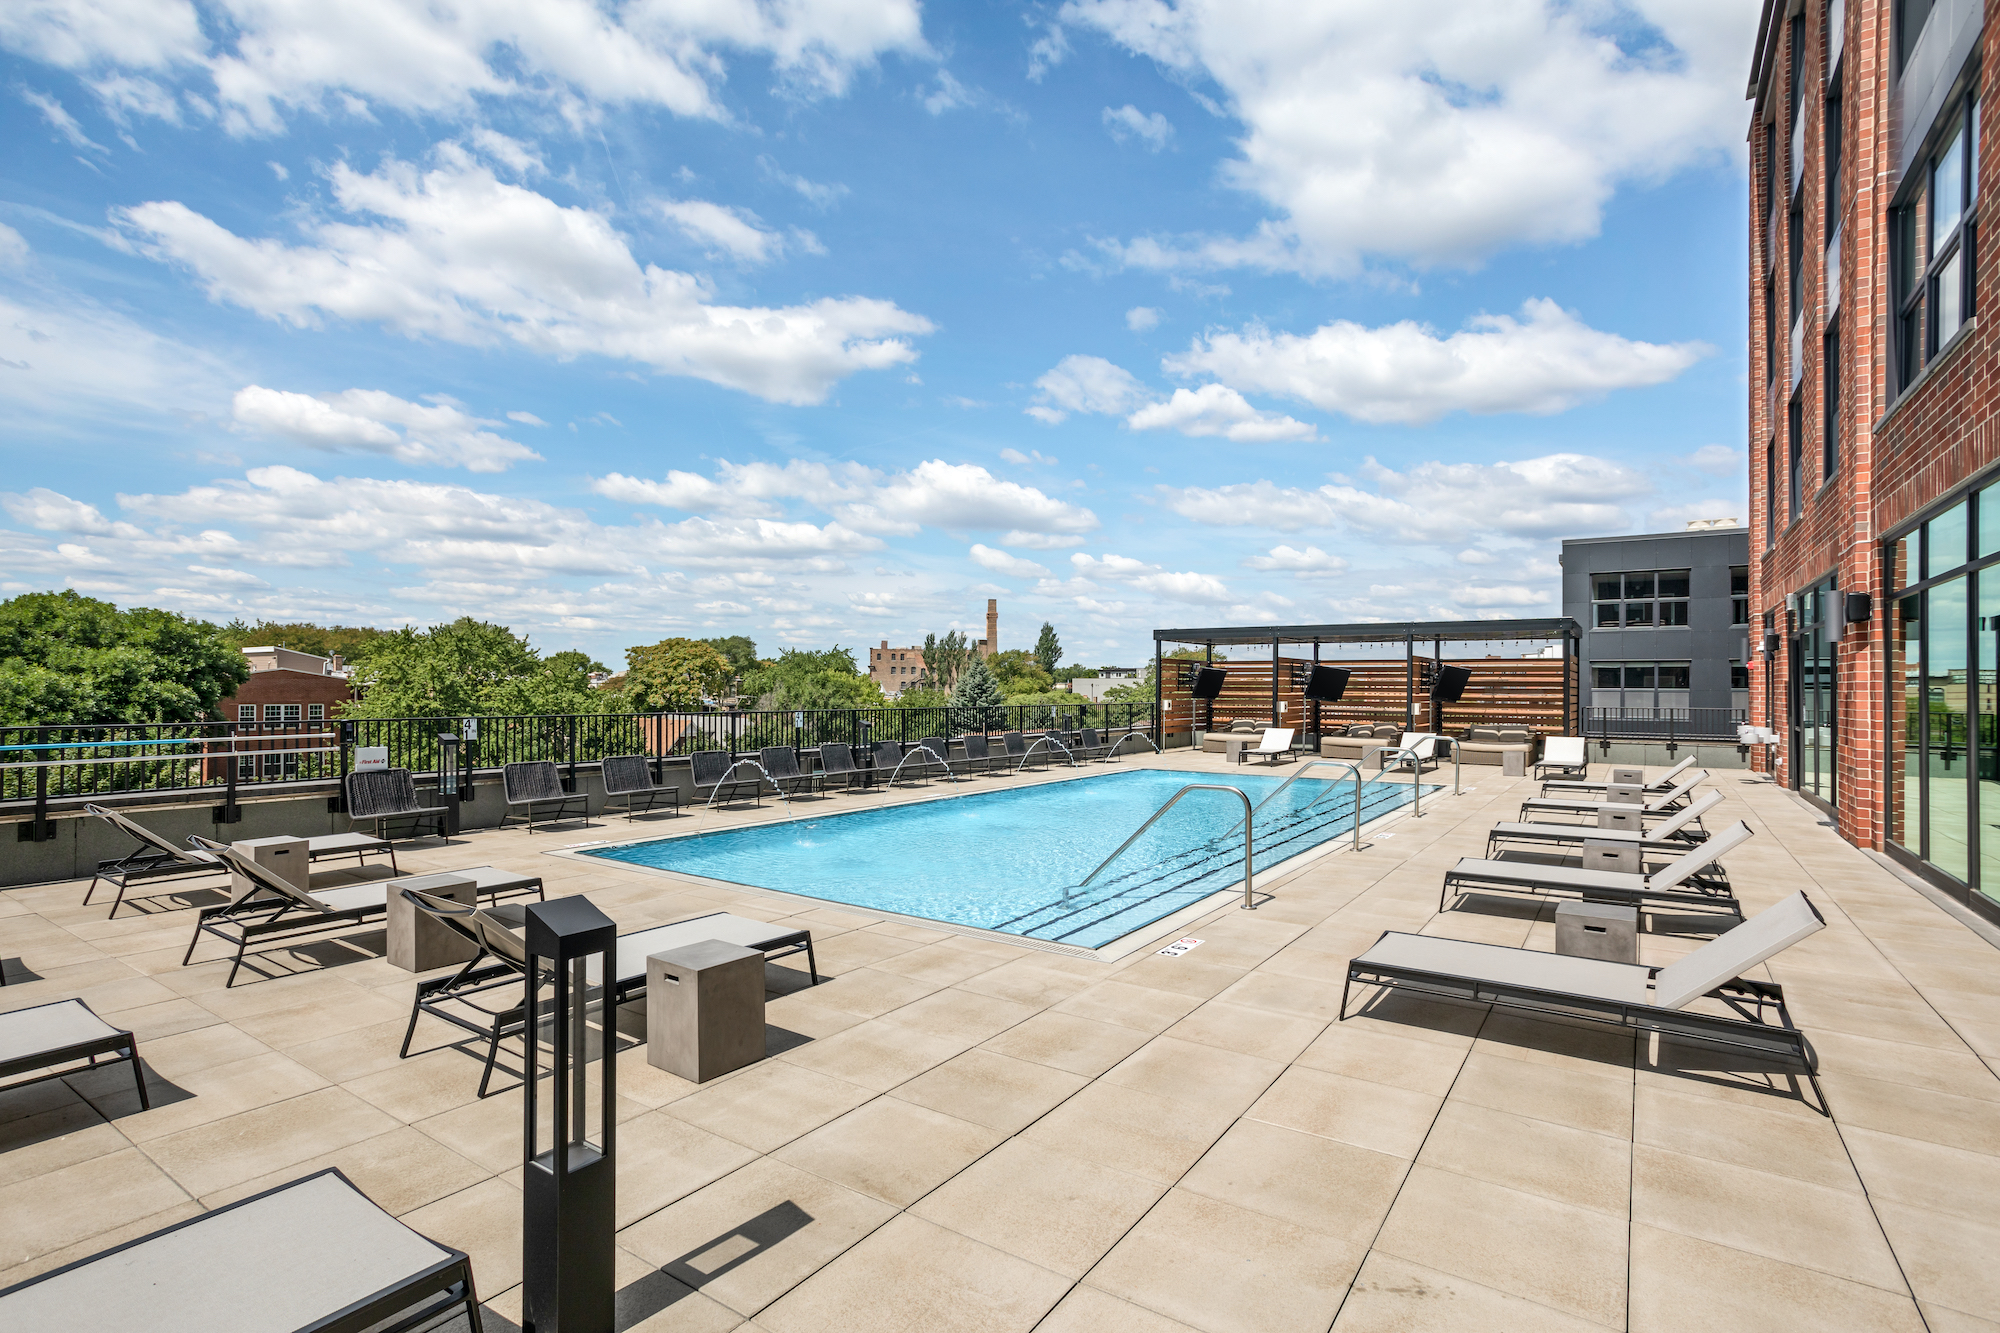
pixel 976 701
pixel 1048 650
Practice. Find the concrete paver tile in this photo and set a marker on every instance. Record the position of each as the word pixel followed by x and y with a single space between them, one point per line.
pixel 991 1089
pixel 1052 1209
pixel 1369 1115
pixel 1391 1293
pixel 891 1149
pixel 1684 1285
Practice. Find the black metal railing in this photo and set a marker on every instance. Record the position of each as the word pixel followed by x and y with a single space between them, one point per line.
pixel 1672 725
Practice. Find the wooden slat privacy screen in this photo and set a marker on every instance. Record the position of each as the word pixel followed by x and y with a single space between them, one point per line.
pixel 1503 691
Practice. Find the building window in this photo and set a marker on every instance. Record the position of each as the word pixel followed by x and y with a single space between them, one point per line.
pixel 1639 685
pixel 281 713
pixel 1829 435
pixel 1739 676
pixel 1797 234
pixel 315 712
pixel 246 712
pixel 1771 329
pixel 1640 600
pixel 1739 594
pixel 1770 491
pixel 1795 443
pixel 1911 15
pixel 1935 233
pixel 1831 138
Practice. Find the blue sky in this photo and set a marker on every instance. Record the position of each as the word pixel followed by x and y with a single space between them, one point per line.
pixel 825 322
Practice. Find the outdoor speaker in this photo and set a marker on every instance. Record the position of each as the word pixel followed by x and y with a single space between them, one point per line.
pixel 1450 684
pixel 1860 608
pixel 1208 682
pixel 1327 684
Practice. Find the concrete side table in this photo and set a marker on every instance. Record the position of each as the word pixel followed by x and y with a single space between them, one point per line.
pixel 1513 763
pixel 1631 818
pixel 417 943
pixel 704 1009
pixel 1630 777
pixel 1598 930
pixel 1625 793
pixel 1620 857
pixel 1232 748
pixel 283 857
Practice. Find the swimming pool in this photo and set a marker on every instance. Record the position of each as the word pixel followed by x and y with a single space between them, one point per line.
pixel 1009 860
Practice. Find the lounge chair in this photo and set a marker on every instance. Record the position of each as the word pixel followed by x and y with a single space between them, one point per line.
pixel 629 778
pixel 156 858
pixel 1674 837
pixel 978 751
pixel 1659 784
pixel 387 795
pixel 837 761
pixel 1277 741
pixel 1680 882
pixel 939 749
pixel 781 765
pixel 713 770
pixel 1420 748
pixel 1583 803
pixel 534 786
pixel 46 1035
pixel 1089 746
pixel 498 934
pixel 1019 751
pixel 890 766
pixel 271 907
pixel 1652 999
pixel 315 1253
pixel 1564 754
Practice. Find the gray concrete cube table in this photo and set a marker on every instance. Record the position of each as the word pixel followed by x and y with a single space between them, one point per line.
pixel 287 858
pixel 1513 763
pixel 417 942
pixel 1619 857
pixel 1631 819
pixel 1598 930
pixel 704 1009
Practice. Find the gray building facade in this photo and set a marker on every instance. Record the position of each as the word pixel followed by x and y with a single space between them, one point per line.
pixel 1666 627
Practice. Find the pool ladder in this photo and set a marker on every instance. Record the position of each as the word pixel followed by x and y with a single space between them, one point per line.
pixel 1173 801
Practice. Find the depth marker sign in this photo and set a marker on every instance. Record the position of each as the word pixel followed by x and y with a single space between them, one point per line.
pixel 1180 946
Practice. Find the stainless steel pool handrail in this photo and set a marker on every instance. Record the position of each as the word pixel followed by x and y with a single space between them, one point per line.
pixel 1416 774
pixel 1301 771
pixel 1172 801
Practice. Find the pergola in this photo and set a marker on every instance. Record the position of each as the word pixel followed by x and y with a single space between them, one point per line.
pixel 1411 635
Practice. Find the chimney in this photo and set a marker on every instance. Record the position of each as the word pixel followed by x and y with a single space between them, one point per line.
pixel 992 626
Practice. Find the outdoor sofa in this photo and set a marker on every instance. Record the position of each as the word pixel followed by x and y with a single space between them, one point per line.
pixel 46 1035
pixel 273 908
pixel 157 858
pixel 629 778
pixel 314 1253
pixel 1490 746
pixel 1633 995
pixel 497 934
pixel 1216 739
pixel 536 785
pixel 1680 883
pixel 1359 740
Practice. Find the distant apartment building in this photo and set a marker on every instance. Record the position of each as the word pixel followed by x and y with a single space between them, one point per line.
pixel 1874 461
pixel 899 669
pixel 286 686
pixel 1666 620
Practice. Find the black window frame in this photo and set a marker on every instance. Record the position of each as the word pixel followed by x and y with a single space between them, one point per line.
pixel 1829 435
pixel 1770 490
pixel 1739 595
pixel 1833 137
pixel 1795 427
pixel 1917 266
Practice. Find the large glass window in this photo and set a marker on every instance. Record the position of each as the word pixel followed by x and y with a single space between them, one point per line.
pixel 1739 594
pixel 1946 691
pixel 1831 137
pixel 1829 433
pixel 1795 442
pixel 1986 648
pixel 1812 664
pixel 1935 234
pixel 1640 600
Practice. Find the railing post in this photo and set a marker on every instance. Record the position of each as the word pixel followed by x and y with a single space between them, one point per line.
pixel 571 730
pixel 41 824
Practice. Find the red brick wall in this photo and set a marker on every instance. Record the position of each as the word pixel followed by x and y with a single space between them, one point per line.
pixel 286 687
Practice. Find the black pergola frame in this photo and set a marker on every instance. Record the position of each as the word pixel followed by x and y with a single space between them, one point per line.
pixel 1439 632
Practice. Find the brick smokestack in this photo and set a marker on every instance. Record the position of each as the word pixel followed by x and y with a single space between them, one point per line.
pixel 992 626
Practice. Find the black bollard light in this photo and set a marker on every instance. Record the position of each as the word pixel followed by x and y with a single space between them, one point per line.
pixel 568 1192
pixel 448 779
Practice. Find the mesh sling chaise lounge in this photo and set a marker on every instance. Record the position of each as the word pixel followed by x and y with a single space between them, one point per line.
pixel 1664 782
pixel 629 778
pixel 535 786
pixel 979 756
pixel 1277 741
pixel 1564 754
pixel 1019 750
pixel 1089 745
pixel 273 908
pixel 156 858
pixel 312 1254
pixel 1680 882
pixel 836 760
pixel 781 765
pixel 939 749
pixel 890 766
pixel 1650 999
pixel 497 933
pixel 1655 806
pixel 1680 832
pixel 712 769
pixel 47 1035
pixel 388 795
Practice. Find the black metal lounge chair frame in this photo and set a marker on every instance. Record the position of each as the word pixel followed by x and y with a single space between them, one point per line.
pixel 1709 893
pixel 119 1041
pixel 503 973
pixel 850 770
pixel 622 781
pixel 149 860
pixel 391 794
pixel 789 770
pixel 527 786
pixel 260 918
pixel 1752 999
pixel 725 788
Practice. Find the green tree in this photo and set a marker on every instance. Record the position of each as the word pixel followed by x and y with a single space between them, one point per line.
pixel 674 675
pixel 976 699
pixel 1048 650
pixel 1073 672
pixel 65 657
pixel 738 651
pixel 1141 691
pixel 1018 673
pixel 944 659
pixel 350 641
pixel 798 678
pixel 573 662
pixel 471 667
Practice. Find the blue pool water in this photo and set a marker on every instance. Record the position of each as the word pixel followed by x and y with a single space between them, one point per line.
pixel 1010 859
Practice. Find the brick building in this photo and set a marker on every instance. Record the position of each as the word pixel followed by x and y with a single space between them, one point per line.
pixel 899 669
pixel 1873 454
pixel 287 686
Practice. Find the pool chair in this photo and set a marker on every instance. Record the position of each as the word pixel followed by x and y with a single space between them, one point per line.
pixel 1655 806
pixel 156 858
pixel 1277 741
pixel 389 795
pixel 61 1033
pixel 939 749
pixel 1018 749
pixel 1682 882
pixel 890 766
pixel 271 907
pixel 535 789
pixel 837 761
pixel 1422 748
pixel 1089 745
pixel 979 756
pixel 1673 837
pixel 1562 787
pixel 629 778
pixel 500 967
pixel 1650 999
pixel 1564 754
pixel 781 765
pixel 315 1253
pixel 713 781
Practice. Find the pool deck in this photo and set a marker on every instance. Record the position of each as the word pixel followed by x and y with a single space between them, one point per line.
pixel 963 1133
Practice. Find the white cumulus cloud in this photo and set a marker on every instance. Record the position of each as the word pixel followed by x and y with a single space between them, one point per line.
pixel 1129 122
pixel 1179 586
pixel 735 232
pixel 1546 361
pixel 438 434
pixel 1001 562
pixel 1085 384
pixel 1308 563
pixel 453 252
pixel 1216 409
pixel 1141 318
